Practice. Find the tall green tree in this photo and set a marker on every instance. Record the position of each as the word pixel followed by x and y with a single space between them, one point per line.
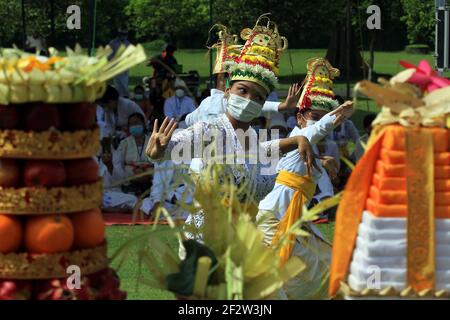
pixel 420 20
pixel 172 20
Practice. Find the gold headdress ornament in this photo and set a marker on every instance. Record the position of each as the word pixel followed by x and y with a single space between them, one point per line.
pixel 259 59
pixel 318 92
pixel 227 48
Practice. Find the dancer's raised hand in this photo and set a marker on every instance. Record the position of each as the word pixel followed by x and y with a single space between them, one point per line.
pixel 160 138
pixel 291 101
pixel 343 112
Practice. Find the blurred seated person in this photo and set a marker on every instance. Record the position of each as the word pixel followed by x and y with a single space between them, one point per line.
pixel 164 61
pixel 291 123
pixel 344 134
pixel 168 86
pixel 367 124
pixel 114 199
pixel 277 122
pixel 35 43
pixel 142 99
pixel 179 105
pixel 130 158
pixel 156 98
pixel 273 96
pixel 167 191
pixel 116 111
pixel 204 94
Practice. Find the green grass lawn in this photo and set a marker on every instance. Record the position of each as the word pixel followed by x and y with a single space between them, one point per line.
pixel 197 59
pixel 128 271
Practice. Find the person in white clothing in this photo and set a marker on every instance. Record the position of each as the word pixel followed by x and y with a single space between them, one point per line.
pixel 179 105
pixel 114 199
pixel 116 111
pixel 130 158
pixel 294 187
pixel 167 190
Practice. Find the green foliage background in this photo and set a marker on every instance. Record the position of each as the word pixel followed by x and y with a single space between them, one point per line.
pixel 306 23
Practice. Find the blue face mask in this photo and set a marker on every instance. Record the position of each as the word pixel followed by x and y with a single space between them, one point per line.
pixel 137 130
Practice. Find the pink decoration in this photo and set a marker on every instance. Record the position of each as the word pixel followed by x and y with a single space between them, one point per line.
pixel 425 77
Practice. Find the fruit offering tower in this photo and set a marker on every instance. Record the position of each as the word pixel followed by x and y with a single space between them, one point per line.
pixel 392 234
pixel 52 235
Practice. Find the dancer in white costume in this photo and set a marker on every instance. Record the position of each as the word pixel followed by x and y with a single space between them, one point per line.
pixel 251 84
pixel 293 188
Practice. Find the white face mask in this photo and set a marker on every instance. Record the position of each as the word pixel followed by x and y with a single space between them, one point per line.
pixel 243 109
pixel 179 93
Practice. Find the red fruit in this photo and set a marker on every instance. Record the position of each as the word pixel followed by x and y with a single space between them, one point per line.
pixel 42 117
pixel 8 117
pixel 44 173
pixel 9 173
pixel 81 171
pixel 79 116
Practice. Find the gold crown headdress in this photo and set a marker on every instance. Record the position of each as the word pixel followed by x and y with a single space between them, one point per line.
pixel 259 58
pixel 318 92
pixel 227 48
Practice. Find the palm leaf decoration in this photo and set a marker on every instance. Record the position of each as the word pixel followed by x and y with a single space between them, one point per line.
pixel 231 263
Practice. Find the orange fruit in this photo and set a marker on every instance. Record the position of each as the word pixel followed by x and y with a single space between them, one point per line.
pixel 10 233
pixel 48 234
pixel 89 229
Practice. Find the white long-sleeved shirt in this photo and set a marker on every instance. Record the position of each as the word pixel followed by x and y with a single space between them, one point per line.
pixel 127 155
pixel 279 198
pixel 175 107
pixel 111 121
pixel 215 105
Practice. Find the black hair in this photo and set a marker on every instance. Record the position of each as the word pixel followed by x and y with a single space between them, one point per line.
pixel 368 119
pixel 171 48
pixel 111 93
pixel 137 114
pixel 339 99
pixel 139 87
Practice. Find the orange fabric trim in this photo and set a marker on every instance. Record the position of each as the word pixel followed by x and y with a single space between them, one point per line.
pixel 386 183
pixel 394 139
pixel 400 197
pixel 420 172
pixel 399 170
pixel 400 210
pixel 398 157
pixel 350 210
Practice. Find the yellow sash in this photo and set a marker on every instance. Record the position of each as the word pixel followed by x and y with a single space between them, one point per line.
pixel 304 190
